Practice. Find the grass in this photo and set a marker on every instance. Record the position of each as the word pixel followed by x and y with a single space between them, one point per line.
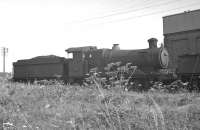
pixel 64 107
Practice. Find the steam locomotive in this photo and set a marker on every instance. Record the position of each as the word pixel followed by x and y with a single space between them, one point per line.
pixel 151 62
pixel 178 59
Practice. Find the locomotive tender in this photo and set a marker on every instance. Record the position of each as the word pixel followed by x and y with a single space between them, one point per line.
pixel 41 67
pixel 150 60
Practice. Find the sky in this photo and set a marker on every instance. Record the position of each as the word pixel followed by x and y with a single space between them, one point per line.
pixel 30 28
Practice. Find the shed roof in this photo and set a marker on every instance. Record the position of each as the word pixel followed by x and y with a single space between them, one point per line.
pixel 186 21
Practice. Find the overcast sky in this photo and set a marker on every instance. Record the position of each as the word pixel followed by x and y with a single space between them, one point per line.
pixel 30 28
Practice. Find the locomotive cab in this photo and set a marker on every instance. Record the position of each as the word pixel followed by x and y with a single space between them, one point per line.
pixel 78 66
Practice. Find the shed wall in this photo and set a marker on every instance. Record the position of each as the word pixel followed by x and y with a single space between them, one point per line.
pixel 189 64
pixel 182 43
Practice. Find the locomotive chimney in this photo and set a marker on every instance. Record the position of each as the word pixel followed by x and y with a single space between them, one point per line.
pixel 115 47
pixel 152 43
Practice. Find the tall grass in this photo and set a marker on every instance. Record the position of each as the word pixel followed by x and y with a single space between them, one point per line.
pixel 58 106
